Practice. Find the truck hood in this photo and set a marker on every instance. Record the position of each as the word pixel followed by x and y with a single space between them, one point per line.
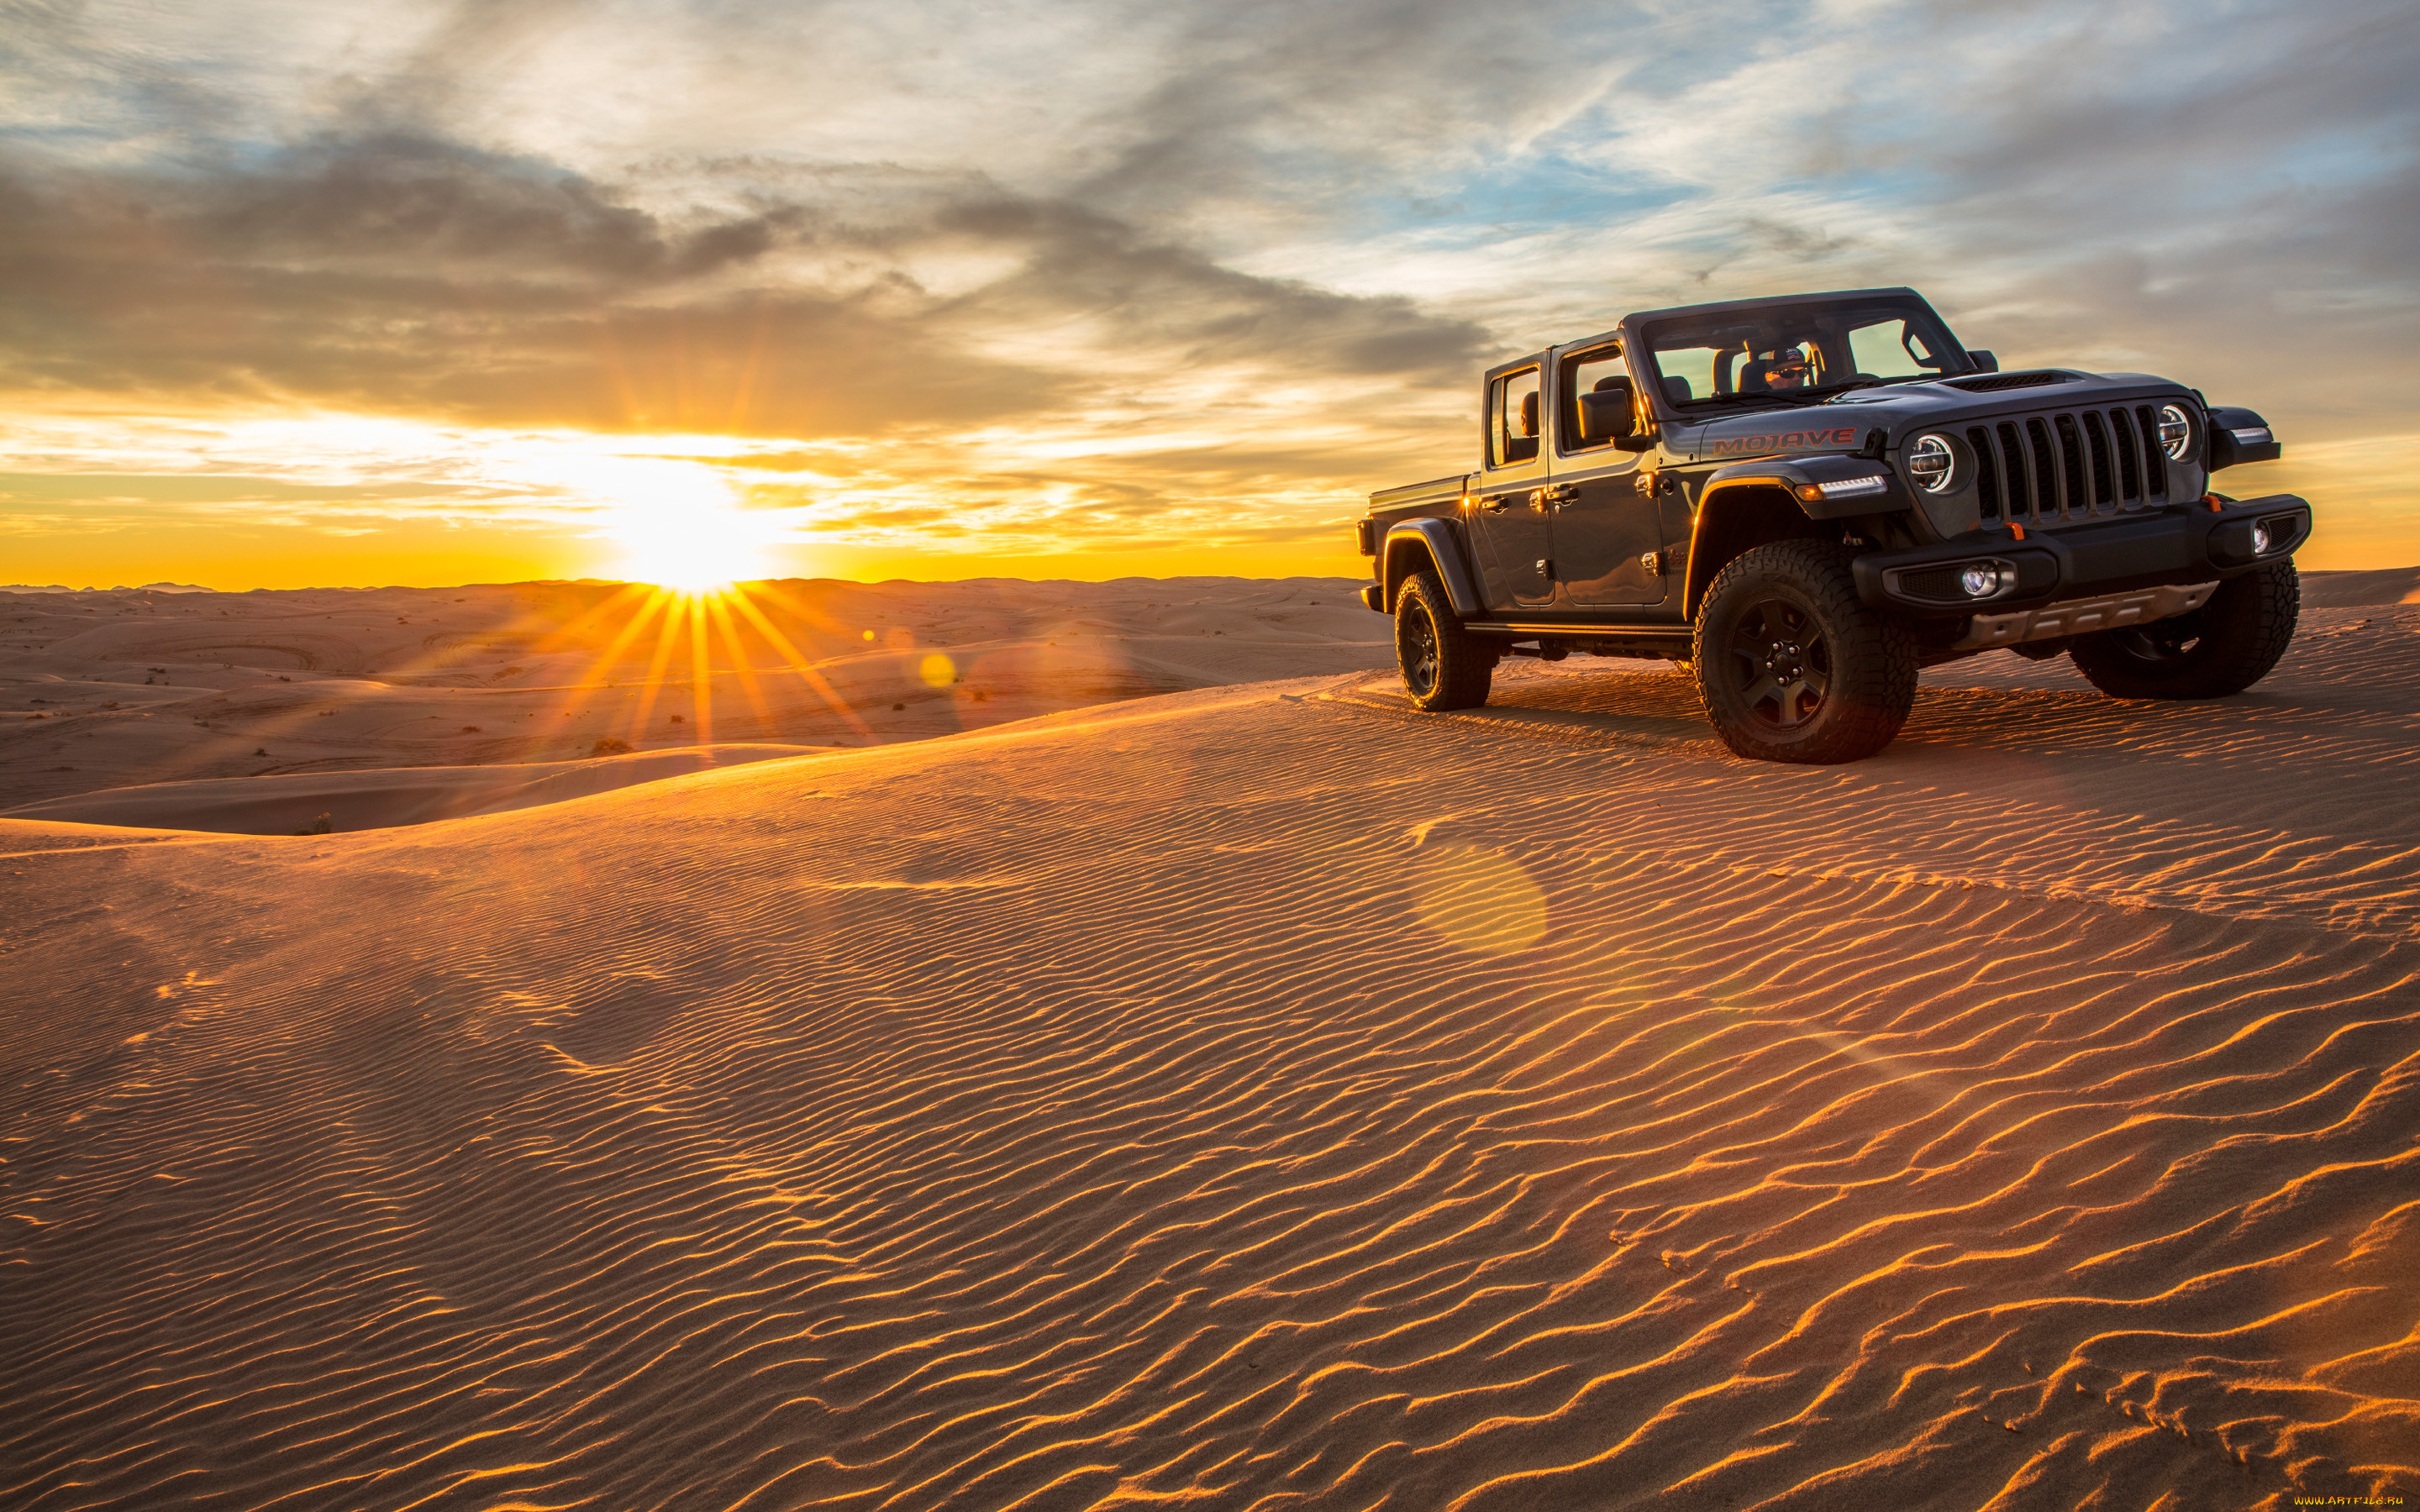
pixel 1844 422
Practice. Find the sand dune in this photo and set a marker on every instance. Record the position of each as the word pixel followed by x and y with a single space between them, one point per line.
pixel 2355 590
pixel 127 686
pixel 1261 1098
pixel 382 799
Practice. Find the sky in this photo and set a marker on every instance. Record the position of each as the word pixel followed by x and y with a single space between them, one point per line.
pixel 318 292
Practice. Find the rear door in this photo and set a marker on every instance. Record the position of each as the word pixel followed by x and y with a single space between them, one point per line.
pixel 1510 514
pixel 1607 534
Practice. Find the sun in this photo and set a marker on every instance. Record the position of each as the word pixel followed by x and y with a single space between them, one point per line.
pixel 679 526
pixel 693 549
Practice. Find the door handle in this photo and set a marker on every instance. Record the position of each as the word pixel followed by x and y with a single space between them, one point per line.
pixel 1562 493
pixel 1496 503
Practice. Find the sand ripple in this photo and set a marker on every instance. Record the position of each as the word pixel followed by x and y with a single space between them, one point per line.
pixel 1239 1100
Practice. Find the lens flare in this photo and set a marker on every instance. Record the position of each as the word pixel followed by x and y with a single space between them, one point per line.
pixel 1483 900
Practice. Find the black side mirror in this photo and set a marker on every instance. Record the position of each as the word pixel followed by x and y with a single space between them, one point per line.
pixel 1610 413
pixel 1984 362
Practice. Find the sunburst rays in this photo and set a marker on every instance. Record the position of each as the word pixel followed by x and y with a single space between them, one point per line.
pixel 687 638
pixel 710 625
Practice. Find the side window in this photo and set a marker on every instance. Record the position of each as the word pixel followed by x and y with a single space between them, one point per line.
pixel 1689 372
pixel 1590 422
pixel 1513 419
pixel 1890 350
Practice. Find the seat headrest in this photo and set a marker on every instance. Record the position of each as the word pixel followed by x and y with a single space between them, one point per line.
pixel 1605 412
pixel 1677 389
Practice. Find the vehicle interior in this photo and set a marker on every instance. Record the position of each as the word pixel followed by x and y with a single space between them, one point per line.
pixel 1787 351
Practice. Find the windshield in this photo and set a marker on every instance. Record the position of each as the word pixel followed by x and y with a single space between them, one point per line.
pixel 1798 353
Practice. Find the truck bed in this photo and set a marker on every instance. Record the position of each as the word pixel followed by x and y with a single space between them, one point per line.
pixel 1411 495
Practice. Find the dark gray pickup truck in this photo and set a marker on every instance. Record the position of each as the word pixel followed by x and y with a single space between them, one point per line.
pixel 1804 499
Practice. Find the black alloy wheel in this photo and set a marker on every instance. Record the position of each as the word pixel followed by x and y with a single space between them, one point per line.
pixel 1791 664
pixel 1420 656
pixel 1780 664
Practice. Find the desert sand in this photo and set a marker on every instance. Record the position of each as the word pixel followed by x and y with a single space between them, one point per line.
pixel 116 689
pixel 1259 1096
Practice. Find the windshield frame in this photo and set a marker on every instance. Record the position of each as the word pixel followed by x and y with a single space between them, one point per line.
pixel 1802 315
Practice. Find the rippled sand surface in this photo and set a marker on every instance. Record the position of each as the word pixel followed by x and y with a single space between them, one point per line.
pixel 1259 1098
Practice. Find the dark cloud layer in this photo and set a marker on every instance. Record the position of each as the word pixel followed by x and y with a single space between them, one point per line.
pixel 401 272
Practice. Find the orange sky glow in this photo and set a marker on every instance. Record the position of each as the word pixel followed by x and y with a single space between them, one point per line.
pixel 432 293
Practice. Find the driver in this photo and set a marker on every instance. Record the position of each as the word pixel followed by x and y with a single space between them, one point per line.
pixel 1785 369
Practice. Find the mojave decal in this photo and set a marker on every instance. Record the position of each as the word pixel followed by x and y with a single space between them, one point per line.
pixel 1789 440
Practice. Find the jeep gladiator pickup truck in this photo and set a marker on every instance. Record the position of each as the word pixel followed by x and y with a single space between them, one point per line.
pixel 1804 499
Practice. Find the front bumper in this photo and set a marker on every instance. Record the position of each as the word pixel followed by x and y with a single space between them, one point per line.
pixel 2113 560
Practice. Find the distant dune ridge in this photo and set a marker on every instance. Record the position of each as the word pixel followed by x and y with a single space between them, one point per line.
pixel 384 798
pixel 127 687
pixel 1259 1097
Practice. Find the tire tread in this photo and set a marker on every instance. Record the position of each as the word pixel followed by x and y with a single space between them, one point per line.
pixel 2252 620
pixel 1876 689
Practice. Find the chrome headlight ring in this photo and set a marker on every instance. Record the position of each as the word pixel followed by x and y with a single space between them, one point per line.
pixel 2176 432
pixel 1933 464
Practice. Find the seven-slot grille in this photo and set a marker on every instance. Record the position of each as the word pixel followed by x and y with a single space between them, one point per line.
pixel 2069 465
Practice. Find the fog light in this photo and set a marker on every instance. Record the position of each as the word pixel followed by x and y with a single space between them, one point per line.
pixel 1980 581
pixel 2262 539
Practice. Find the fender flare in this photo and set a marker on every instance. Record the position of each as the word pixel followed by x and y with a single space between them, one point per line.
pixel 1436 539
pixel 1876 490
pixel 1845 485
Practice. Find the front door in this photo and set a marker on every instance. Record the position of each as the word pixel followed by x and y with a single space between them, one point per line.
pixel 1606 533
pixel 1509 515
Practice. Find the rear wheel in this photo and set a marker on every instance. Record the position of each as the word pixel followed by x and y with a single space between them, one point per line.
pixel 1791 664
pixel 2223 647
pixel 1445 665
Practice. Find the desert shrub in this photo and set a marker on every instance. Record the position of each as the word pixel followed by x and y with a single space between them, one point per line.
pixel 320 825
pixel 610 746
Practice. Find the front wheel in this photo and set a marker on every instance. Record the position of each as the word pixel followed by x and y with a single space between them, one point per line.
pixel 1791 664
pixel 1445 665
pixel 2223 647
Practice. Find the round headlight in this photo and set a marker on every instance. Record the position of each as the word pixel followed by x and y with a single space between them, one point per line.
pixel 1980 581
pixel 2262 539
pixel 1930 462
pixel 2176 432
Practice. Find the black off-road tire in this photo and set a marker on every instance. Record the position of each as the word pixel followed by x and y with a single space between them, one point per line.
pixel 1444 665
pixel 2226 645
pixel 1793 666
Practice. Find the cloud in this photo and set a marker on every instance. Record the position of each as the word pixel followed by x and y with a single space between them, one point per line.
pixel 403 273
pixel 1131 272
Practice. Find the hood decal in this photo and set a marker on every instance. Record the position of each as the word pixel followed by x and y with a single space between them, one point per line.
pixel 1789 440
